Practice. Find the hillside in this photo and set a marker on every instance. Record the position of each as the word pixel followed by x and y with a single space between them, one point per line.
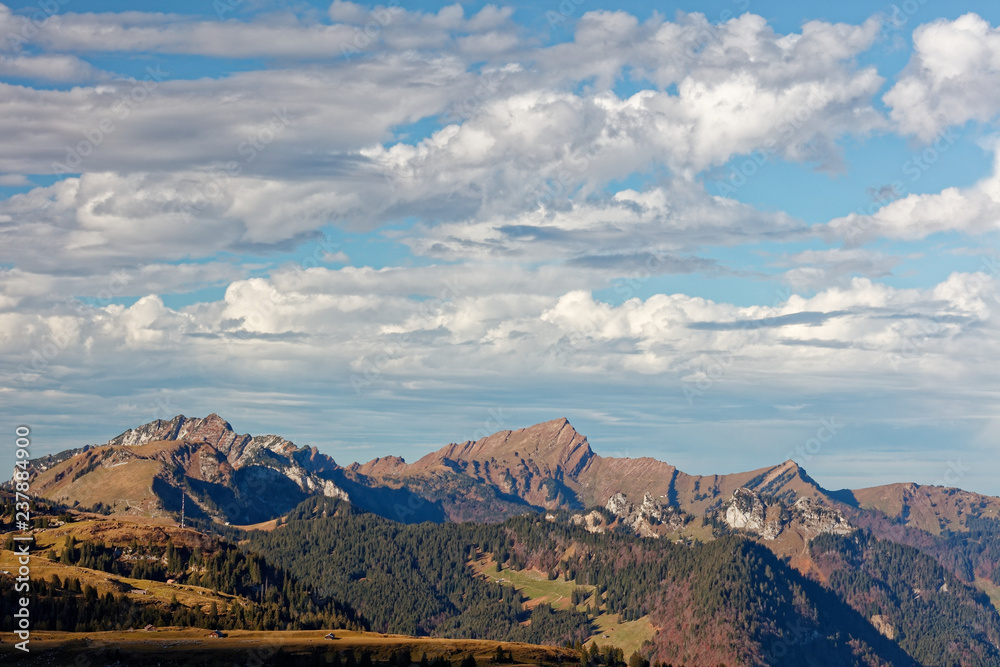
pixel 92 573
pixel 552 466
pixel 729 601
pixel 933 509
pixel 176 647
pixel 244 479
pixel 912 599
pixel 223 475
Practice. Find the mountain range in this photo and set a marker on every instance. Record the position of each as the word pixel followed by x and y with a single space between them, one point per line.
pixel 549 466
pixel 226 477
pixel 896 574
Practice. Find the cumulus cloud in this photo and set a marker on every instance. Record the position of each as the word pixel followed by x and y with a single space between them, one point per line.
pixel 973 210
pixel 952 77
pixel 350 316
pixel 505 165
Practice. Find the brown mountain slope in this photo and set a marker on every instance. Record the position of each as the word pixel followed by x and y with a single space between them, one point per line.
pixel 551 465
pixel 222 475
pixel 244 478
pixel 929 508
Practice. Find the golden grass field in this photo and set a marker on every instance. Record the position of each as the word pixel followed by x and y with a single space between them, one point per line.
pixel 182 646
pixel 991 589
pixel 539 589
pixel 116 531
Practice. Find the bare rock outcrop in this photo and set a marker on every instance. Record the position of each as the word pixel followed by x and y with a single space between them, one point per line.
pixel 213 451
pixel 750 512
pixel 813 518
pixel 650 519
pixel 883 625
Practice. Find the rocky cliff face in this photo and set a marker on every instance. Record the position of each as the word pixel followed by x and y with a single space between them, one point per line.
pixel 748 511
pixel 813 518
pixel 545 467
pixel 300 465
pixel 222 474
pixel 650 519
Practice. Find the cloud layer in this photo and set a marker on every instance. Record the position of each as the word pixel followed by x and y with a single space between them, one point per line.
pixel 394 210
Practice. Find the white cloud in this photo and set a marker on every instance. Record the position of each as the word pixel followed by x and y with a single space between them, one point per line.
pixel 275 122
pixel 953 77
pixel 49 67
pixel 531 324
pixel 973 210
pixel 812 270
pixel 653 226
pixel 278 35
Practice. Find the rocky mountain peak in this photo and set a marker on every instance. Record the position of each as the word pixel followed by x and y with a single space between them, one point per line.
pixel 213 429
pixel 553 443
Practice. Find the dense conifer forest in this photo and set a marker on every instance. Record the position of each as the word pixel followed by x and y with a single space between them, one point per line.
pixel 730 593
pixel 933 615
pixel 276 601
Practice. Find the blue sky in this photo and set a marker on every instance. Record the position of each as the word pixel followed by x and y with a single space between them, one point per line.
pixel 695 229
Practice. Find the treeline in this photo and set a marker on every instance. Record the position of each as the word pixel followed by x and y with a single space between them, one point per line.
pixel 731 595
pixel 415 579
pixel 278 601
pixel 65 605
pixel 411 578
pixel 935 617
pixel 975 553
pixel 43 511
